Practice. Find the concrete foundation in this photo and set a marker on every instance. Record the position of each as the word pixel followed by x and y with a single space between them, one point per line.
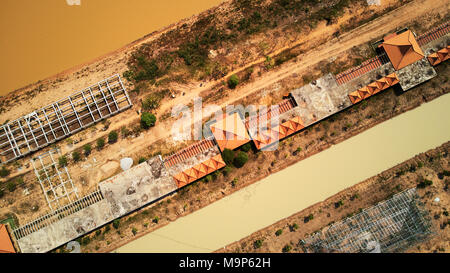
pixel 415 74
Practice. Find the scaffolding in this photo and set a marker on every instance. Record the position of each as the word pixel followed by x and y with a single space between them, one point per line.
pixel 390 226
pixel 58 214
pixel 55 180
pixel 62 118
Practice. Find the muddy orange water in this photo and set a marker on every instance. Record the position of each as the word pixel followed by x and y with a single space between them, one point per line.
pixel 303 184
pixel 40 38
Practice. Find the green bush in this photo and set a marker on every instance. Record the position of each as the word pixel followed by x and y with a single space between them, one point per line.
pixel 113 136
pixel 425 183
pixel 228 156
pixel 86 240
pixel 240 159
pixel 87 149
pixel 141 160
pixel 258 244
pixel 4 172
pixel 100 143
pixel 233 81
pixel 116 223
pixel 279 232
pixel 287 248
pixel 208 178
pixel 247 147
pixel 156 220
pixel 147 120
pixel 134 230
pixel 76 156
pixel 62 161
pixel 226 170
pixel 1 193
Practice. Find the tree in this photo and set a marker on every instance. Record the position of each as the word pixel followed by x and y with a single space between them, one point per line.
pixel 100 143
pixel 228 156
pixel 4 172
pixel 112 137
pixel 147 120
pixel 240 159
pixel 62 161
pixel 233 81
pixel 87 149
pixel 76 156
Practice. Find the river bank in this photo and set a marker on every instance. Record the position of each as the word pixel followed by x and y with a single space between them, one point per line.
pixel 302 185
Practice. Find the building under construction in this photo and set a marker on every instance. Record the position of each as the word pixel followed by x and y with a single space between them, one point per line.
pixel 390 226
pixel 404 61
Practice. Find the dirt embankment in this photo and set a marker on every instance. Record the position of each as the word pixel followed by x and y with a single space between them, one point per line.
pixel 433 165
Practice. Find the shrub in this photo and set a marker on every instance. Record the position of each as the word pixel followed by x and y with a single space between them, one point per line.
pixel 125 131
pixel 107 229
pixel 76 156
pixel 134 230
pixel 338 204
pixel 233 81
pixel 287 248
pixel 147 120
pixel 308 218
pixel 141 160
pixel 116 223
pixel 86 240
pixel 234 182
pixel 446 173
pixel 1 193
pixel 226 170
pixel 294 227
pixel 257 244
pixel 247 147
pixel 87 149
pixel 62 161
pixel 4 172
pixel 20 182
pixel 279 232
pixel 208 178
pixel 228 156
pixel 156 220
pixel 100 143
pixel 112 137
pixel 240 159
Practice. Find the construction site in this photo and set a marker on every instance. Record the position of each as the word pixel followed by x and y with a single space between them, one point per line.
pixel 404 60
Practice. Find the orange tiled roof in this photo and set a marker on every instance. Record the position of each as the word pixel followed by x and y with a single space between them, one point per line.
pixel 373 88
pixel 276 133
pixel 6 245
pixel 230 132
pixel 355 97
pixel 198 171
pixel 402 49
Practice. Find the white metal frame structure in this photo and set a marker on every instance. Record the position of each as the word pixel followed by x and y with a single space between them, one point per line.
pixel 55 180
pixel 62 118
pixel 389 226
pixel 58 214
